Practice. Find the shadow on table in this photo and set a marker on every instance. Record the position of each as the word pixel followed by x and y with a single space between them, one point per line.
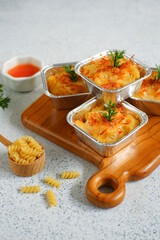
pixel 78 190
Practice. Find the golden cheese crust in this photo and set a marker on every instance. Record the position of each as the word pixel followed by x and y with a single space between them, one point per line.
pixel 103 74
pixel 60 83
pixel 150 89
pixel 96 125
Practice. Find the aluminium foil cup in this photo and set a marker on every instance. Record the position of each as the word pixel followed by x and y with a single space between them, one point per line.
pixel 64 101
pixel 104 149
pixel 150 107
pixel 120 94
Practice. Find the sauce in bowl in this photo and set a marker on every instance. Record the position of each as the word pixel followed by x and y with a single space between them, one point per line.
pixel 23 70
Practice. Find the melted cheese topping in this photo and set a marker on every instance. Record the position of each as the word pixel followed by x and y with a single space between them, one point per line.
pixel 96 125
pixel 150 89
pixel 60 83
pixel 103 74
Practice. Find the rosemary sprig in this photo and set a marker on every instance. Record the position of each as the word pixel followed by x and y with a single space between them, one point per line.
pixel 72 73
pixel 116 56
pixel 3 101
pixel 111 110
pixel 157 76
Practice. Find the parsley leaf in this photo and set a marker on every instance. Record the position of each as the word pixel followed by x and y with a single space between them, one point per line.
pixel 111 110
pixel 116 56
pixel 73 75
pixel 3 101
pixel 157 76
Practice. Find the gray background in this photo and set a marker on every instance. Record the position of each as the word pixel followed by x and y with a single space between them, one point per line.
pixel 61 31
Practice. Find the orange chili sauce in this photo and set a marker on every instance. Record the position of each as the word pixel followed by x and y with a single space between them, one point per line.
pixel 23 70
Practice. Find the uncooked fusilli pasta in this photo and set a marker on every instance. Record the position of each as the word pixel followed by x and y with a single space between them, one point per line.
pixel 52 182
pixel 71 174
pixel 25 150
pixel 30 189
pixel 51 198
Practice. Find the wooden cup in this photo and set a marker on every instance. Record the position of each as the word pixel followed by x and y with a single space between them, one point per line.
pixel 24 170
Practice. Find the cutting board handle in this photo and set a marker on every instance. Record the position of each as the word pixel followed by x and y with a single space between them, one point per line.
pixel 105 200
pixel 5 141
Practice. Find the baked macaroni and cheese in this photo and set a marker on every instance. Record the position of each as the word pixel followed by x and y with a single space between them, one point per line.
pixel 108 123
pixel 150 88
pixel 112 71
pixel 64 81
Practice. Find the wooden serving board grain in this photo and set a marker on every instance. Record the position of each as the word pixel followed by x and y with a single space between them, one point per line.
pixel 134 162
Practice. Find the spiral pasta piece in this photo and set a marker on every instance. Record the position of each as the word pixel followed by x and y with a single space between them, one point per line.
pixel 27 157
pixel 14 155
pixel 22 161
pixel 30 151
pixel 34 144
pixel 69 175
pixel 30 189
pixel 51 198
pixel 22 143
pixel 53 182
pixel 12 148
pixel 25 150
pixel 25 138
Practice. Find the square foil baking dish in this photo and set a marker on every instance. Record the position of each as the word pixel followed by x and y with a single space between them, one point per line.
pixel 120 94
pixel 64 101
pixel 148 106
pixel 104 149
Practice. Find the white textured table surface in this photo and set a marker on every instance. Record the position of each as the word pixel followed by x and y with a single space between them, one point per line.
pixel 60 31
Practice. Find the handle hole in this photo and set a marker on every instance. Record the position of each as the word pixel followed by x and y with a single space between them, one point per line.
pixel 106 189
pixel 107 186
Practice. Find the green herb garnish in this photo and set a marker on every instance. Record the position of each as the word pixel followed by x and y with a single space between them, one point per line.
pixel 73 75
pixel 111 110
pixel 157 76
pixel 116 56
pixel 3 101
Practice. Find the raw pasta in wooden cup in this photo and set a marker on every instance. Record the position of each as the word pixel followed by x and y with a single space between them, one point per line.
pixel 26 155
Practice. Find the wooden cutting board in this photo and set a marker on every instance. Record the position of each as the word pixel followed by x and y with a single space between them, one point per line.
pixel 136 161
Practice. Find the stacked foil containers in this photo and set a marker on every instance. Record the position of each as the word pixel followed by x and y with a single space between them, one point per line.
pixel 63 102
